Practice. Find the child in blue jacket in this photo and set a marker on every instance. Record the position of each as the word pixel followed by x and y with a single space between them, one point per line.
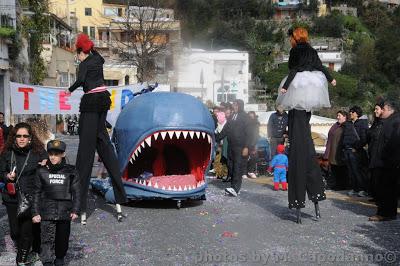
pixel 280 165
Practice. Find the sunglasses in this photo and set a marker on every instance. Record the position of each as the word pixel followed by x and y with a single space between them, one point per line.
pixel 22 136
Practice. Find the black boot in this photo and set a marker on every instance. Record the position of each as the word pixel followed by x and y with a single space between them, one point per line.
pixel 59 262
pixel 22 256
pixel 298 216
pixel 317 212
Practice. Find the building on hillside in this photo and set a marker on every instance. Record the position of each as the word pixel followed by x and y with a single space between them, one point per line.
pixel 7 30
pixel 105 23
pixel 58 54
pixel 289 9
pixel 391 3
pixel 214 76
pixel 345 10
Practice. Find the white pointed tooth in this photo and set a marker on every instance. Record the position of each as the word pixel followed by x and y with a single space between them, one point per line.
pixel 143 145
pixel 139 149
pixel 198 134
pixel 171 134
pixel 131 160
pixel 163 134
pixel 169 188
pixel 155 135
pixel 148 141
pixel 179 188
pixel 174 189
pixel 191 133
pixel 149 184
pixel 156 185
pixel 133 157
pixel 136 180
pixel 185 133
pixel 136 153
pixel 178 133
pixel 184 188
pixel 163 188
pixel 203 134
pixel 208 138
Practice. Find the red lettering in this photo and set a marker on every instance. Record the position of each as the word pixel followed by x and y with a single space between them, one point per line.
pixel 63 100
pixel 26 92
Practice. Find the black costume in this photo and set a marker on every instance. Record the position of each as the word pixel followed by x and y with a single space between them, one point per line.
pixel 277 124
pixel 386 194
pixel 304 173
pixel 238 132
pixel 354 139
pixel 22 230
pixel 374 152
pixel 92 130
pixel 56 196
pixel 304 58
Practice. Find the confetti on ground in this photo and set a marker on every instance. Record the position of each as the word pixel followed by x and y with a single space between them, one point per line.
pixel 229 234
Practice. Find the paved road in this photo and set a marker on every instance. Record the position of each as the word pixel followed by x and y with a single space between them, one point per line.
pixel 256 228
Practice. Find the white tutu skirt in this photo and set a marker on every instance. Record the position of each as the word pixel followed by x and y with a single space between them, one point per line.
pixel 308 91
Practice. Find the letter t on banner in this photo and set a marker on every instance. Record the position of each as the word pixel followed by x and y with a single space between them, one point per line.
pixel 26 92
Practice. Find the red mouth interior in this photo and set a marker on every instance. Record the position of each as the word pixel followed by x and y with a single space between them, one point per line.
pixel 176 162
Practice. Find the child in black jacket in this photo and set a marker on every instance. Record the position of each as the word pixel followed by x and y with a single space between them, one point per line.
pixel 56 202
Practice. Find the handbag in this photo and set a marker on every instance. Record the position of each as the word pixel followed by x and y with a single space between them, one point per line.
pixel 24 200
pixel 24 204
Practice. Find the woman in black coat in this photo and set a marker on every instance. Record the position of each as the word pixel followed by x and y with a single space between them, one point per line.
pixel 93 134
pixel 375 149
pixel 24 152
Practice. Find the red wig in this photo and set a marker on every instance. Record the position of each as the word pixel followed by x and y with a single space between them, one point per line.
pixel 83 43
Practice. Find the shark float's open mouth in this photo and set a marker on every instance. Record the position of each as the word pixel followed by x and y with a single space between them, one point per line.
pixel 170 161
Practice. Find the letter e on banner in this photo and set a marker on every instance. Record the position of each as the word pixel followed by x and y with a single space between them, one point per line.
pixel 26 92
pixel 63 97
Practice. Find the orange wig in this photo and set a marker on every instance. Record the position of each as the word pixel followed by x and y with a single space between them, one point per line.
pixel 299 35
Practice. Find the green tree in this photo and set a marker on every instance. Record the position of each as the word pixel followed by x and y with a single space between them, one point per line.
pixel 329 26
pixel 34 28
pixel 376 16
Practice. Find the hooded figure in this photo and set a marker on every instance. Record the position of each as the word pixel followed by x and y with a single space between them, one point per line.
pixel 238 132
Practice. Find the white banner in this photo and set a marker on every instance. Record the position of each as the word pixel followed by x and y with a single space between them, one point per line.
pixel 32 99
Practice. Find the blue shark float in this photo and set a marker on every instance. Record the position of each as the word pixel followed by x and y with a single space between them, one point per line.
pixel 164 142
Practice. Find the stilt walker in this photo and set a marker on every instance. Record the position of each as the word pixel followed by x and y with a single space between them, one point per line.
pixel 305 89
pixel 93 135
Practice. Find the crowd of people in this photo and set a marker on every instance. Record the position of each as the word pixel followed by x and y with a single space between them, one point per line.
pixel 365 159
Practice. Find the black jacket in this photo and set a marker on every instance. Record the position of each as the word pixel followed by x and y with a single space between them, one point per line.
pixel 237 129
pixel 277 124
pixel 26 181
pixel 57 192
pixel 375 147
pixel 90 76
pixel 390 139
pixel 254 132
pixel 304 58
pixel 354 134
